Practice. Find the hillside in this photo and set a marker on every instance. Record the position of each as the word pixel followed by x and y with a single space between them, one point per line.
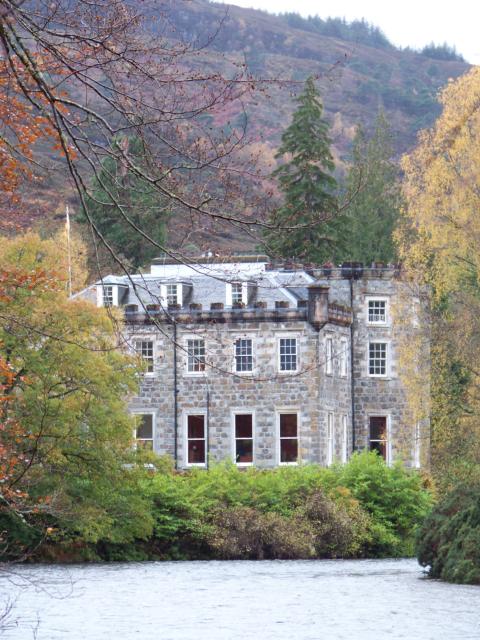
pixel 356 78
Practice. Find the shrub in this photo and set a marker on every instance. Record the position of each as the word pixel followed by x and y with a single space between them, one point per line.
pixel 395 497
pixel 341 528
pixel 449 539
pixel 244 533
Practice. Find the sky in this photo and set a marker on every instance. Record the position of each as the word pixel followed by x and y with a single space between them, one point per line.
pixel 413 23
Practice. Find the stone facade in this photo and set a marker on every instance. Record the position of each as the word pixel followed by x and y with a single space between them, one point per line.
pixel 295 331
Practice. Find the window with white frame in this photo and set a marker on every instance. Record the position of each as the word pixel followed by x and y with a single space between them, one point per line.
pixel 288 434
pixel 378 435
pixel 344 439
pixel 107 298
pixel 343 357
pixel 329 356
pixel 287 354
pixel 172 291
pixel 243 355
pixel 237 292
pixel 196 440
pixel 144 348
pixel 195 355
pixel 330 439
pixel 144 430
pixel 377 310
pixel 243 453
pixel 377 359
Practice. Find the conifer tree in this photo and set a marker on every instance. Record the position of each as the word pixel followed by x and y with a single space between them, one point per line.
pixel 304 224
pixel 118 186
pixel 369 221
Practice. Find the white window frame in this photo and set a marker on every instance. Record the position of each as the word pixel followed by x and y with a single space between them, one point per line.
pixel 343 358
pixel 145 412
pixel 100 294
pixel 243 372
pixel 186 439
pixel 188 372
pixel 229 292
pixel 137 339
pixel 388 448
pixel 164 294
pixel 328 354
pixel 278 413
pixel 330 438
pixel 378 323
pixel 387 359
pixel 244 412
pixel 344 453
pixel 279 359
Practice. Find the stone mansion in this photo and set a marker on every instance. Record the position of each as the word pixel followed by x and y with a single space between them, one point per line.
pixel 266 364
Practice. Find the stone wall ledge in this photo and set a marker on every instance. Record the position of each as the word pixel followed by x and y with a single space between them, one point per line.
pixel 336 315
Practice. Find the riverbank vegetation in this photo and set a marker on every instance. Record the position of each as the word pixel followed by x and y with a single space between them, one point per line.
pixel 361 509
pixel 439 245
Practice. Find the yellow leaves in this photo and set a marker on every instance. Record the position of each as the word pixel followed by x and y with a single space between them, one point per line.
pixel 442 189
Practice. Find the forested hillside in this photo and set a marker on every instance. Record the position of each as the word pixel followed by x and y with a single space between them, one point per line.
pixel 359 70
pixel 358 74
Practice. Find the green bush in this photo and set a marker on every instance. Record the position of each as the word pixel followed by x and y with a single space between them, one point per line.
pixel 361 509
pixel 394 496
pixel 449 540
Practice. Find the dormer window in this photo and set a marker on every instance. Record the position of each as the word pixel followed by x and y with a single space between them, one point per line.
pixel 107 295
pixel 172 294
pixel 236 293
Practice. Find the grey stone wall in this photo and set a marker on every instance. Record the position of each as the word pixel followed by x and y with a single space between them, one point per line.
pixel 311 391
pixel 219 392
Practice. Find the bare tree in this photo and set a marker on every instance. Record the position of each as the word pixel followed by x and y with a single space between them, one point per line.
pixel 90 72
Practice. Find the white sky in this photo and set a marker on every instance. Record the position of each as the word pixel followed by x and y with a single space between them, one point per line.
pixel 413 23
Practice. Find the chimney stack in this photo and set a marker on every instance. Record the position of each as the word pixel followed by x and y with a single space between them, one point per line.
pixel 318 305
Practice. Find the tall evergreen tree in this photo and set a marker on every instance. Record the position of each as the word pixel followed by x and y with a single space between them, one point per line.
pixel 121 200
pixel 303 223
pixel 370 219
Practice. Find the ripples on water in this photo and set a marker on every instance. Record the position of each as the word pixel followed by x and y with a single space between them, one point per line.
pixel 271 600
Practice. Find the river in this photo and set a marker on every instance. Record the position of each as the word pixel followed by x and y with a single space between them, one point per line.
pixel 270 600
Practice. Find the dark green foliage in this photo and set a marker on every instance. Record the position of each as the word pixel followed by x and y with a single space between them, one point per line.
pixel 306 220
pixel 449 540
pixel 373 186
pixel 359 31
pixel 393 496
pixel 361 509
pixel 121 199
pixel 442 52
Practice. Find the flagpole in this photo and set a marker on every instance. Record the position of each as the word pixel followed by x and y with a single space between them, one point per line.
pixel 69 255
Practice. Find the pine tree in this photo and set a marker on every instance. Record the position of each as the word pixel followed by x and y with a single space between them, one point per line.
pixel 305 222
pixel 370 219
pixel 119 195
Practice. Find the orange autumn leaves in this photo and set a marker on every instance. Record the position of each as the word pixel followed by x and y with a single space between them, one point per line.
pixel 24 121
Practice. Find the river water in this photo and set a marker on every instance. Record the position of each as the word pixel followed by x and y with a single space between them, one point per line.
pixel 270 600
